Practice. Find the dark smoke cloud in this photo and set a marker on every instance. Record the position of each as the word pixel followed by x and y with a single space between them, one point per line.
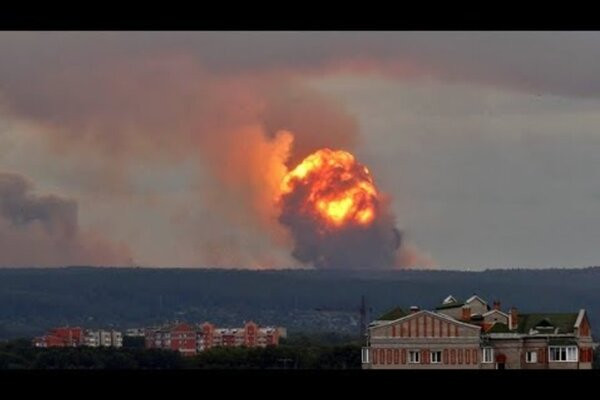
pixel 40 230
pixel 19 207
pixel 352 247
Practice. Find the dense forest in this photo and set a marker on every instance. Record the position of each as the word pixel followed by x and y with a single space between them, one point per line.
pixel 34 300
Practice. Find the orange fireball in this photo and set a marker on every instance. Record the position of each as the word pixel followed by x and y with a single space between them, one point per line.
pixel 337 188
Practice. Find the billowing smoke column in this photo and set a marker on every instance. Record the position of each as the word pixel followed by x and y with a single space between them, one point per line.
pixel 222 130
pixel 43 230
pixel 334 211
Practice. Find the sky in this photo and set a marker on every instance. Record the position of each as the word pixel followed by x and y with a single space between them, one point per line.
pixel 163 148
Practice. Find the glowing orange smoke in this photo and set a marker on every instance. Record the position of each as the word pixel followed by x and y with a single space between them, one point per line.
pixel 339 190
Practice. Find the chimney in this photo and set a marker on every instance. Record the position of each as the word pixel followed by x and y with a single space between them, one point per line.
pixel 496 304
pixel 514 318
pixel 466 313
pixel 414 309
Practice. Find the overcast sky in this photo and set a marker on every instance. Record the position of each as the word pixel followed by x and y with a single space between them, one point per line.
pixel 150 147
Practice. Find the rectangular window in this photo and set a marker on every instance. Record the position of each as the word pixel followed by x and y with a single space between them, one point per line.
pixel 365 355
pixel 562 353
pixel 436 357
pixel 414 357
pixel 531 357
pixel 488 355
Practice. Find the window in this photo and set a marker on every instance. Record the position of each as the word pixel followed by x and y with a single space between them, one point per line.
pixel 365 355
pixel 436 357
pixel 531 357
pixel 563 353
pixel 488 355
pixel 414 357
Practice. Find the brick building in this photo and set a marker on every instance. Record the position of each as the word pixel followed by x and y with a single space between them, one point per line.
pixel 473 335
pixel 191 339
pixel 250 335
pixel 179 337
pixel 61 337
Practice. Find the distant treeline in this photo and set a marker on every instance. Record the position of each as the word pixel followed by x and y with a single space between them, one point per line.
pixel 34 300
pixel 306 353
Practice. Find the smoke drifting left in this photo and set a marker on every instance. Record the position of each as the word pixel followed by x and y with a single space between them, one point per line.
pixel 44 230
pixel 247 129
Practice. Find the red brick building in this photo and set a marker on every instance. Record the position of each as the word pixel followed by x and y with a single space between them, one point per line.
pixel 179 337
pixel 61 337
pixel 250 335
pixel 473 335
pixel 189 339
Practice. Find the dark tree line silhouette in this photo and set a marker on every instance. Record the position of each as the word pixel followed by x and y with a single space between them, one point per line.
pixel 304 354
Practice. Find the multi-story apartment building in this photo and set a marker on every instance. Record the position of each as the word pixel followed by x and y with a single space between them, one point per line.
pixel 179 337
pixel 74 337
pixel 473 335
pixel 189 339
pixel 102 338
pixel 250 335
pixel 61 337
pixel 135 332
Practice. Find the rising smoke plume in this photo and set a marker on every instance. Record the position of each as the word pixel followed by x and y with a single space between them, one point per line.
pixel 336 214
pixel 167 108
pixel 38 230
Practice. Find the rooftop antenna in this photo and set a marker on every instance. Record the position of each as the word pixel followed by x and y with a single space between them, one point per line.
pixel 363 317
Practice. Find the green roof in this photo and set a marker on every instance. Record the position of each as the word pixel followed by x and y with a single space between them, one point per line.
pixel 499 327
pixel 393 314
pixel 453 304
pixel 563 321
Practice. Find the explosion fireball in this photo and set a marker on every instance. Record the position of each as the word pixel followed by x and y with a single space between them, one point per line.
pixel 339 190
pixel 336 215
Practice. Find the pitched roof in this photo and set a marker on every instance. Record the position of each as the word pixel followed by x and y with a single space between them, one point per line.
pixel 493 310
pixel 453 304
pixel 498 327
pixel 393 314
pixel 565 322
pixel 470 299
pixel 579 318
pixel 449 299
pixel 438 315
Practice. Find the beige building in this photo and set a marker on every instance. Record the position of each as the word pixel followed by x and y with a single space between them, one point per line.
pixel 102 338
pixel 473 335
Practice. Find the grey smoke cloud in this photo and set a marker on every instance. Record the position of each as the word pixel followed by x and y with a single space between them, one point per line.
pixel 372 247
pixel 43 230
pixel 563 63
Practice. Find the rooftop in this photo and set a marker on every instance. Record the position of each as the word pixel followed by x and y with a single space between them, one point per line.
pixel 393 314
pixel 498 327
pixel 450 304
pixel 565 322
